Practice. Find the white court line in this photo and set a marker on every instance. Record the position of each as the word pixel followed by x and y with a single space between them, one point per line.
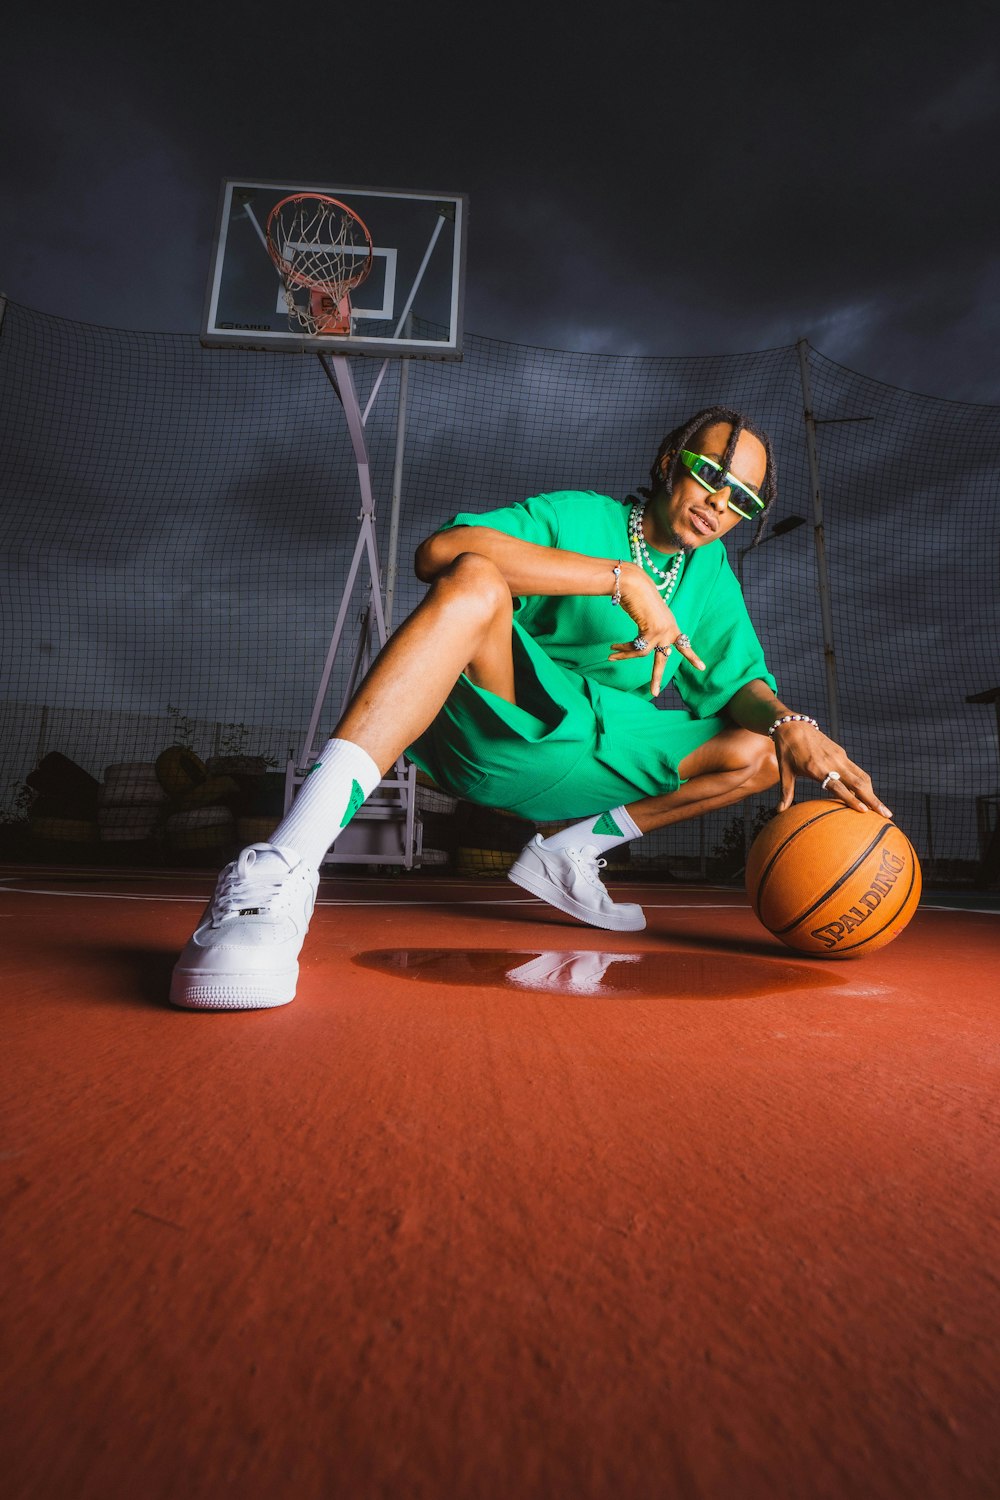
pixel 333 901
pixel 24 890
pixel 29 890
pixel 448 882
pixel 733 905
pixel 979 911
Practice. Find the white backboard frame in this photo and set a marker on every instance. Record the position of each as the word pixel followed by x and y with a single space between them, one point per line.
pixel 234 318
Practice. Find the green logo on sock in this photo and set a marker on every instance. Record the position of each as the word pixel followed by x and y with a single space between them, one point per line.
pixel 607 824
pixel 353 803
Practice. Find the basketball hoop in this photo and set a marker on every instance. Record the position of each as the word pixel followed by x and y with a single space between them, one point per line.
pixel 320 247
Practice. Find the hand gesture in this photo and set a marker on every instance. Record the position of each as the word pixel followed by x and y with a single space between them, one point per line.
pixel 657 630
pixel 803 750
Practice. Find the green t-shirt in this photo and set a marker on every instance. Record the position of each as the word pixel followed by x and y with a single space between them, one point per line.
pixel 577 631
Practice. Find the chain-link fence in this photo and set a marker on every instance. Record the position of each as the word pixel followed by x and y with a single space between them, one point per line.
pixel 177 524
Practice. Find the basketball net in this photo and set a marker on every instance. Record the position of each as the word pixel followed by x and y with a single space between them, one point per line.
pixel 322 251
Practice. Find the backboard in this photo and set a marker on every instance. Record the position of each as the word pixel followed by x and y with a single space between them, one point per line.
pixel 409 305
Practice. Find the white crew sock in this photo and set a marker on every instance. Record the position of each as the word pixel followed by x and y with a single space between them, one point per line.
pixel 606 831
pixel 340 780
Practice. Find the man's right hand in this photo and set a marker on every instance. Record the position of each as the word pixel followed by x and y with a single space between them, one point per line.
pixel 655 624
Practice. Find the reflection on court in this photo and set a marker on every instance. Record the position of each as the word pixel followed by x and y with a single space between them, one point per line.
pixel 672 974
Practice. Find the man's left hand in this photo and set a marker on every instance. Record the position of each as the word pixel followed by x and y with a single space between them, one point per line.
pixel 805 751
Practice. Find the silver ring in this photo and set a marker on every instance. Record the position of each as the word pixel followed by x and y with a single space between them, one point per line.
pixel 640 643
pixel 663 650
pixel 683 641
pixel 830 776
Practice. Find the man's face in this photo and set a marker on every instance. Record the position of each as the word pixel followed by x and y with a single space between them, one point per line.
pixel 691 515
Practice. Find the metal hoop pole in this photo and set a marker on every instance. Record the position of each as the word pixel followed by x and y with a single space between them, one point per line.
pixel 360 547
pixel 405 314
pixel 392 561
pixel 826 610
pixel 414 289
pixel 343 383
pixel 341 380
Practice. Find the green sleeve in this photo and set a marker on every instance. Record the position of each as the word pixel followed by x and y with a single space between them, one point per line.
pixel 724 637
pixel 535 520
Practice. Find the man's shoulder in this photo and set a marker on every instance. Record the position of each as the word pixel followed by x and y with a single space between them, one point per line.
pixel 584 507
pixel 579 497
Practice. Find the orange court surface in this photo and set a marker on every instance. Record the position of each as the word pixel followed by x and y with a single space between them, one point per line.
pixel 502 1207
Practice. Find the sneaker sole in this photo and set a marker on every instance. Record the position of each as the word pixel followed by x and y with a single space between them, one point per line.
pixel 553 897
pixel 189 990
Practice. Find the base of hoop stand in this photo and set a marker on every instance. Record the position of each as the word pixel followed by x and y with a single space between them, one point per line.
pixel 385 830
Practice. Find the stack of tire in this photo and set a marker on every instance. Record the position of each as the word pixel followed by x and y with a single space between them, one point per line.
pixel 482 840
pixel 131 805
pixel 436 811
pixel 491 839
pixel 261 804
pixel 63 817
pixel 199 821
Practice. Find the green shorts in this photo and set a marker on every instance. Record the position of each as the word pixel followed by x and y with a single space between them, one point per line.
pixel 567 748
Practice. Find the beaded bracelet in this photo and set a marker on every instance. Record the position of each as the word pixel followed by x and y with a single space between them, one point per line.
pixel 616 597
pixel 791 719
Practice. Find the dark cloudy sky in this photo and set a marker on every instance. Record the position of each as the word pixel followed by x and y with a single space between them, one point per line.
pixel 662 178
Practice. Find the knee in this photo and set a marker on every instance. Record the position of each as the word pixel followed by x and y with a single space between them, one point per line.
pixel 754 762
pixel 475 585
pixel 763 764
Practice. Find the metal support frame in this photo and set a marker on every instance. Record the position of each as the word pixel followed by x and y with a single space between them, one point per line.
pixel 385 829
pixel 989 833
pixel 790 523
pixel 392 568
pixel 826 609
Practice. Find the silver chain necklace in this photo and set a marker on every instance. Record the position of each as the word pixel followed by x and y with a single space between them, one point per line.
pixel 665 582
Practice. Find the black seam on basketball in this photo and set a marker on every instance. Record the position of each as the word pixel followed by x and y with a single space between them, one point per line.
pixel 853 947
pixel 831 890
pixel 823 813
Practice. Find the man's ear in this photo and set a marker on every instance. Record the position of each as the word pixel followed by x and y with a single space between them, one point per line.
pixel 666 461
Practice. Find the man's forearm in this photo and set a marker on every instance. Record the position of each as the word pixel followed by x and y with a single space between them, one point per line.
pixel 528 568
pixel 756 707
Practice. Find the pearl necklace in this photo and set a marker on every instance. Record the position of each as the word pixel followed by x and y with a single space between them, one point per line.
pixel 640 553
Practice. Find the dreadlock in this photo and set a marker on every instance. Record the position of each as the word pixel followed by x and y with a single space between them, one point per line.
pixel 685 437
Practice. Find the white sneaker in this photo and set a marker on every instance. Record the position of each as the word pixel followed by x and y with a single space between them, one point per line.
pixel 569 879
pixel 568 973
pixel 244 952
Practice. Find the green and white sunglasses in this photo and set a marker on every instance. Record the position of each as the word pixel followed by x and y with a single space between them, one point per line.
pixel 707 472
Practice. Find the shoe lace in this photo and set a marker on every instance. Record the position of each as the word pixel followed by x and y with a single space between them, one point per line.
pixel 589 864
pixel 245 890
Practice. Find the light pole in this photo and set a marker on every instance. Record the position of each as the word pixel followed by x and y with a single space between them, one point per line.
pixel 819 536
pixel 782 528
pixel 991 695
pixel 790 523
pixel 989 865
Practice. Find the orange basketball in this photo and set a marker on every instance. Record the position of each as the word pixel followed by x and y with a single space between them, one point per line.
pixel 833 882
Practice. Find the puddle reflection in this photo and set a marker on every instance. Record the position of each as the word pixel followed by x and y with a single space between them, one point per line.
pixel 676 974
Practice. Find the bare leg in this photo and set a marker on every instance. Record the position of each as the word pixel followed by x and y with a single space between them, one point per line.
pixel 724 770
pixel 244 952
pixel 463 625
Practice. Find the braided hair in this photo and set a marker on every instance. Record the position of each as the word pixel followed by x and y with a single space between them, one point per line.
pixel 686 436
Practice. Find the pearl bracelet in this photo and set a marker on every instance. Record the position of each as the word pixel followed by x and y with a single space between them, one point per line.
pixel 791 719
pixel 616 597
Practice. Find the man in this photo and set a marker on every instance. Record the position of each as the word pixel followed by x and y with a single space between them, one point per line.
pixel 525 680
